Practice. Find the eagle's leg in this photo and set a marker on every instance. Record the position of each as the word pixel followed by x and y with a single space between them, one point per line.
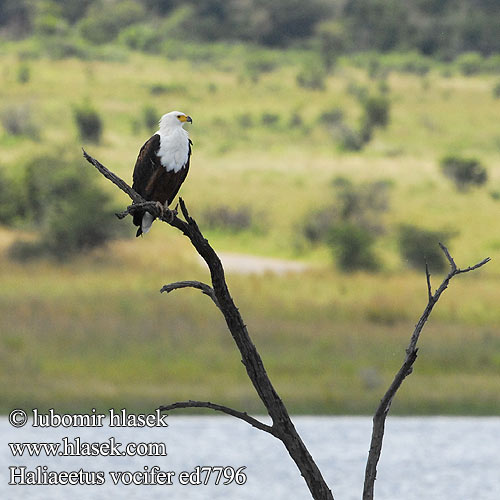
pixel 161 208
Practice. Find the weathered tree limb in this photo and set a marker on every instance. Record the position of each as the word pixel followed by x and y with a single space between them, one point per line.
pixel 224 409
pixel 282 425
pixel 405 370
pixel 206 289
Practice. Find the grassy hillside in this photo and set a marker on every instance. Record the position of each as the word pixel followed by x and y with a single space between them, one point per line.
pixel 96 332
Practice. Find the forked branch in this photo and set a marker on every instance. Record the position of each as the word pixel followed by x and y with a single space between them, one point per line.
pixel 405 370
pixel 282 425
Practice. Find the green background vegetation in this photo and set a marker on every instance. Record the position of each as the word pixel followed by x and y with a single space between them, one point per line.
pixel 305 145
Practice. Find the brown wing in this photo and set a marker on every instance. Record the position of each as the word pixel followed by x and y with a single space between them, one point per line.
pixel 147 165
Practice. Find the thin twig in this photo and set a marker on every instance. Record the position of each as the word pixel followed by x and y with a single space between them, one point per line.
pixel 428 278
pixel 405 370
pixel 206 289
pixel 224 409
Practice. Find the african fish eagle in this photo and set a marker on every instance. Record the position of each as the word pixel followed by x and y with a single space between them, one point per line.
pixel 162 166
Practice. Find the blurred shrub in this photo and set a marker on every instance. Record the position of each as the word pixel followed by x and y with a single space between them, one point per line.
pixel 375 113
pixel 12 201
pixel 331 38
pixel 67 206
pixel 227 218
pixel 464 172
pixel 61 47
pixel 150 117
pixel 357 90
pixel 104 20
pixel 492 64
pixel 376 110
pixel 23 73
pixel 312 76
pixel 166 88
pixel 351 224
pixel 348 138
pixel 50 24
pixel 23 250
pixel 295 120
pixel 418 246
pixel 470 63
pixel 258 63
pixel 17 119
pixel 332 116
pixel 496 91
pixel 245 120
pixel 88 122
pixel 269 119
pixel 352 246
pixel 144 37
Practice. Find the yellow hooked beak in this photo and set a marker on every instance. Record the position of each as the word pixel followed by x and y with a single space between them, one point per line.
pixel 185 118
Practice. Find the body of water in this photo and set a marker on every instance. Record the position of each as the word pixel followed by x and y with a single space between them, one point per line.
pixel 432 458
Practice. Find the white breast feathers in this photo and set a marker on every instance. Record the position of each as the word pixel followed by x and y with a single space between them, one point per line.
pixel 174 149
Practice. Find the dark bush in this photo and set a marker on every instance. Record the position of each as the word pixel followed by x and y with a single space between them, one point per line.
pixel 331 38
pixel 470 63
pixel 17 119
pixel 295 120
pixel 144 37
pixel 312 76
pixel 317 225
pixel 418 246
pixel 269 119
pixel 228 219
pixel 464 172
pixel 88 122
pixel 259 63
pixel 104 20
pixel 352 246
pixel 23 73
pixel 165 88
pixel 348 138
pixel 245 120
pixel 67 207
pixel 376 111
pixel 496 91
pixel 352 223
pixel 332 116
pixel 150 117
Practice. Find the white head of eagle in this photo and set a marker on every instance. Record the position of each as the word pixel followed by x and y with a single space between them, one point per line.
pixel 162 165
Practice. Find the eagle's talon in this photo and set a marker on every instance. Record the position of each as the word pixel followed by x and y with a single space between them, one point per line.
pixel 170 214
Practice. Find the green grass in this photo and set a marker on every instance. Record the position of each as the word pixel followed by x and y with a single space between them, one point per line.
pixel 95 332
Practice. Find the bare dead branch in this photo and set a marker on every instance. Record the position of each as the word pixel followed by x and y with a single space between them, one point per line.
pixel 206 289
pixel 283 427
pixel 224 409
pixel 405 370
pixel 474 267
